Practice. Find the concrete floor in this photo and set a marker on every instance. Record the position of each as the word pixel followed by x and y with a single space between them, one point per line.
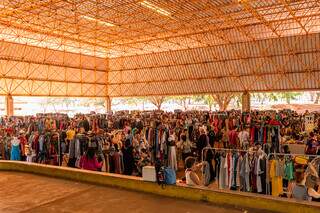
pixel 21 192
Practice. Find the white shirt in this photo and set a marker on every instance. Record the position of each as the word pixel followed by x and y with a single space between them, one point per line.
pixel 189 181
pixel 244 137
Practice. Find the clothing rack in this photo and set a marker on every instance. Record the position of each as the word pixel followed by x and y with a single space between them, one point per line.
pixel 216 149
pixel 290 155
pixel 294 155
pixel 225 149
pixel 221 149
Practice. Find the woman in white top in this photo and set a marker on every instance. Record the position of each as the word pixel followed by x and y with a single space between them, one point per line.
pixel 244 138
pixel 192 178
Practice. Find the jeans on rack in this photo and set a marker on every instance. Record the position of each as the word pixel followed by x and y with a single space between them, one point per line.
pixel 260 135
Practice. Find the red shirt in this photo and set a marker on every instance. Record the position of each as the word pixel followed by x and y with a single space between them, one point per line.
pixel 233 135
pixel 23 142
pixel 90 164
pixel 274 122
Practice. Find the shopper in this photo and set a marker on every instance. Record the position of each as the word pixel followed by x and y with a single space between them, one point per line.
pixel 312 144
pixel 203 141
pixel 244 138
pixel 89 161
pixel 233 138
pixel 192 179
pixel 300 191
pixel 185 147
pixel 312 184
pixel 128 159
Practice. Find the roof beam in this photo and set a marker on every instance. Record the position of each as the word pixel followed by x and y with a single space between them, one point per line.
pixel 28 6
pixel 286 5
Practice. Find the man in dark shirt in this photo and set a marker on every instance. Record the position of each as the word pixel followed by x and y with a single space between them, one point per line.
pixel 211 136
pixel 85 124
pixel 202 142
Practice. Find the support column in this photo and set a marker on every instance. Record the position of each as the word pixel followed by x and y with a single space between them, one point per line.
pixel 9 105
pixel 108 103
pixel 246 102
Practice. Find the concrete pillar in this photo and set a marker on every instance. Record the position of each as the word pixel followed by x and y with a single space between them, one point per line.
pixel 9 105
pixel 108 103
pixel 246 102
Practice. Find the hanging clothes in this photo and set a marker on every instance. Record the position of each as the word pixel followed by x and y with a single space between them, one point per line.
pixel 235 168
pixel 223 173
pixel 244 173
pixel 258 173
pixel 230 169
pixel 262 174
pixel 15 149
pixel 289 170
pixel 276 180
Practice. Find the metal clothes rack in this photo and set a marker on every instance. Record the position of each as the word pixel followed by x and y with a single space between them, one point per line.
pixel 284 154
pixel 312 157
pixel 218 149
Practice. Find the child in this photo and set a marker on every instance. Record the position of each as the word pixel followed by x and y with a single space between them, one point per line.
pixel 143 161
pixel 192 179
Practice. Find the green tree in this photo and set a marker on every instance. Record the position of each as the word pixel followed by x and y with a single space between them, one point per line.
pixel 261 97
pixel 206 99
pixel 198 98
pixel 182 101
pixel 132 101
pixel 274 96
pixel 289 96
pixel 223 100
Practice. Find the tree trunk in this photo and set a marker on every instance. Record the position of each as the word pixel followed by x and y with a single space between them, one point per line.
pixel 288 101
pixel 223 100
pixel 316 101
pixel 312 96
pixel 185 104
pixel 157 101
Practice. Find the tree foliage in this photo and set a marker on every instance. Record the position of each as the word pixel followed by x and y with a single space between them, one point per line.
pixel 272 96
